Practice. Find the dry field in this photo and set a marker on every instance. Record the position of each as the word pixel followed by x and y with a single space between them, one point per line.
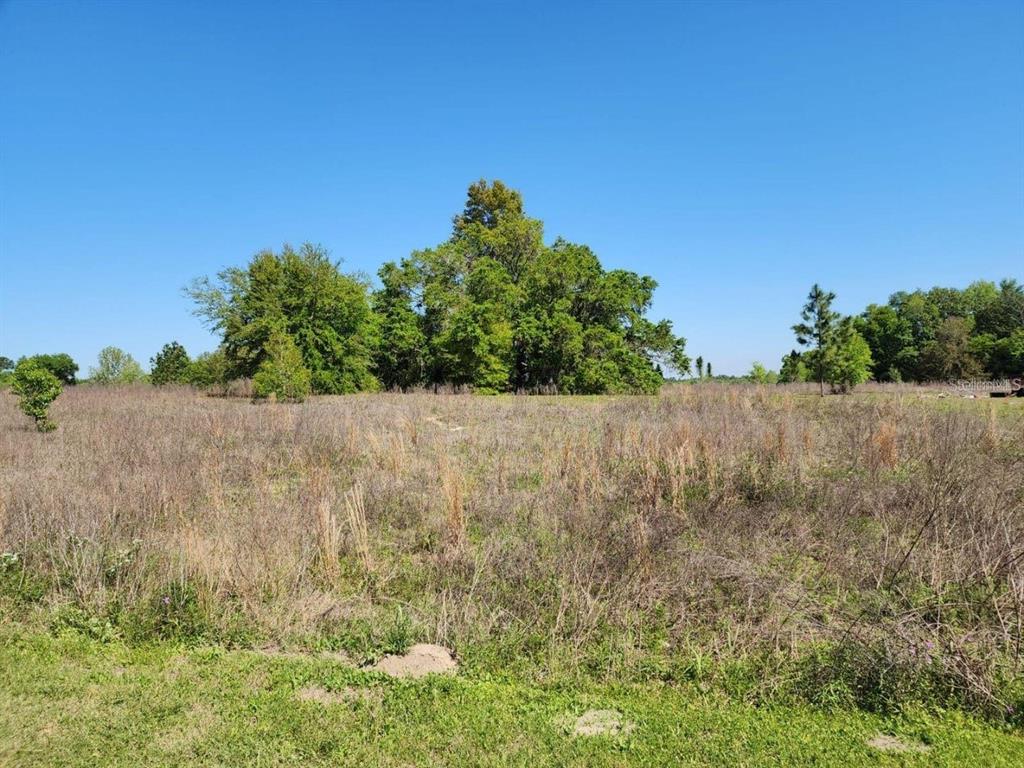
pixel 864 549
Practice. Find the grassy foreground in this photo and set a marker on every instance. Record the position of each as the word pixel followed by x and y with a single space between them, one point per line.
pixel 71 701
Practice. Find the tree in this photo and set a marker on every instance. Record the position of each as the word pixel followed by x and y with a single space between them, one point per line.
pixel 495 309
pixel 209 369
pixel 889 336
pixel 477 346
pixel 1005 313
pixel 6 364
pixel 761 375
pixel 36 388
pixel 948 355
pixel 1006 356
pixel 793 369
pixel 817 330
pixel 304 295
pixel 170 366
pixel 847 357
pixel 60 365
pixel 700 367
pixel 115 366
pixel 710 374
pixel 400 359
pixel 281 374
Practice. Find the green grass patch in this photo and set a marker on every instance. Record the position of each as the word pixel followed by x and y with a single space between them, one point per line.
pixel 72 701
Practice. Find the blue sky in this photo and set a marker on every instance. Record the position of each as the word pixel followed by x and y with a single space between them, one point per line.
pixel 737 152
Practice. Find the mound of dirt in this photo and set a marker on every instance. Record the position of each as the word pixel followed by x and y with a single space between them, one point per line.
pixel 884 742
pixel 420 660
pixel 601 722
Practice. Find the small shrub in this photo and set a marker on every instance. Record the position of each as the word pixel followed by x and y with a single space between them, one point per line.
pixel 18 584
pixel 174 613
pixel 36 389
pixel 72 618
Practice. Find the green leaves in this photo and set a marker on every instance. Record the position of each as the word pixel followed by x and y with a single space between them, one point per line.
pixel 839 354
pixel 497 310
pixel 946 333
pixel 847 359
pixel 492 308
pixel 115 366
pixel 304 296
pixel 36 388
pixel 171 365
pixel 60 365
pixel 282 375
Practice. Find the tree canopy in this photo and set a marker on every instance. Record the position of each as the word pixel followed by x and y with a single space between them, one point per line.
pixel 115 366
pixel 60 365
pixel 496 309
pixel 171 365
pixel 940 334
pixel 946 333
pixel 304 296
pixel 493 308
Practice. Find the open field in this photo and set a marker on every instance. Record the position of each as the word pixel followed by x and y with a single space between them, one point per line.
pixel 739 571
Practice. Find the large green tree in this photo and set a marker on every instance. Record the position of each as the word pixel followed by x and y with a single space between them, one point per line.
pixel 496 309
pixel 949 356
pixel 891 340
pixel 945 332
pixel 304 295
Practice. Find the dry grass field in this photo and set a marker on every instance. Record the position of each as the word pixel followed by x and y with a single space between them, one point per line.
pixel 863 550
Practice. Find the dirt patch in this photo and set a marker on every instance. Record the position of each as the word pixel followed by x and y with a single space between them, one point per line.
pixel 420 660
pixel 321 695
pixel 601 722
pixel 884 742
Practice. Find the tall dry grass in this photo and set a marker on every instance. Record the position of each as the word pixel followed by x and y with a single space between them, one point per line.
pixel 726 518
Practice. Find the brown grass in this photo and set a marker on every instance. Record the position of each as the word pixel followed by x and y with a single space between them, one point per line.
pixel 726 518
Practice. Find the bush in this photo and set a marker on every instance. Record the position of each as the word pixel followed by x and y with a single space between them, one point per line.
pixel 282 374
pixel 36 389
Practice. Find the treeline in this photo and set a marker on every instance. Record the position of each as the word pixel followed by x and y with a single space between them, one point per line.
pixel 937 335
pixel 495 309
pixel 491 309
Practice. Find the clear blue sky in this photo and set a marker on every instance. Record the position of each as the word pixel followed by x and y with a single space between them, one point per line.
pixel 736 151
